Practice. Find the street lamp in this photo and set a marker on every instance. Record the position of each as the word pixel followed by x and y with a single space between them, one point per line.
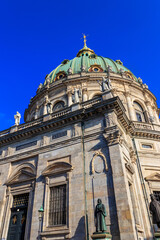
pixel 40 216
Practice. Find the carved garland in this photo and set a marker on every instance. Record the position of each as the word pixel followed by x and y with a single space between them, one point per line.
pixel 98 153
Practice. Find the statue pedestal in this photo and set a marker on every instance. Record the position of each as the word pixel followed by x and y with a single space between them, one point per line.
pixel 107 95
pixel 157 235
pixel 101 236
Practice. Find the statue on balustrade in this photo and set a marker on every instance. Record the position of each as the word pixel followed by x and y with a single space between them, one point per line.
pixel 155 210
pixel 105 84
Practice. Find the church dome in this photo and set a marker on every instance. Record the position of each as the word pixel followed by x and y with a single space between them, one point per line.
pixel 87 61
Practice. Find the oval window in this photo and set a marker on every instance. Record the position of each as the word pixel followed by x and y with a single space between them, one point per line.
pixel 60 76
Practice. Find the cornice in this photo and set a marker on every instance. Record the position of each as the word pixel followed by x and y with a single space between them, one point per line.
pixel 50 147
pixel 95 109
pixel 61 120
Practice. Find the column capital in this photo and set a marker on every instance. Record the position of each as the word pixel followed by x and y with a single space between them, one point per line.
pixel 113 138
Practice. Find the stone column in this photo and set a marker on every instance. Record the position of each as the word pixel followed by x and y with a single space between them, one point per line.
pixel 46 100
pixel 130 107
pixel 155 115
pixel 125 218
pixel 69 98
pixel 85 95
pixel 150 111
pixel 38 197
pixel 36 112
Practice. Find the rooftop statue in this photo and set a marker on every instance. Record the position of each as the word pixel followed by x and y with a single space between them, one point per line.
pixel 105 84
pixel 17 118
pixel 155 210
pixel 100 214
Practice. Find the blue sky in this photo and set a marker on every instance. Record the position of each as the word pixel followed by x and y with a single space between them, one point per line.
pixel 37 35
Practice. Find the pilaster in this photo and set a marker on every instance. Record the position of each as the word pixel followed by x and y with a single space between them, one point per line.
pixel 120 187
pixel 130 106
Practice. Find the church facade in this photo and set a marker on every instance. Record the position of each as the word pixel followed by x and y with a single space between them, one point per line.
pixel 91 132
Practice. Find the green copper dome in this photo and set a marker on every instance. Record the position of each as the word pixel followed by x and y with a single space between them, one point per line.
pixel 86 59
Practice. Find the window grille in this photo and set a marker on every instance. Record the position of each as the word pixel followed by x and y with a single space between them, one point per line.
pixel 20 200
pixel 157 195
pixel 57 205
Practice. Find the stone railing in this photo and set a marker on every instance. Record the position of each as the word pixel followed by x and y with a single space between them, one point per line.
pixel 143 125
pixel 91 102
pixel 20 127
pixel 5 132
pixel 29 124
pixel 61 112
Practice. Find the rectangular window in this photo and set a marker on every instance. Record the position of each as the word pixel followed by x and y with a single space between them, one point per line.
pixel 26 145
pixel 147 146
pixel 59 135
pixel 57 205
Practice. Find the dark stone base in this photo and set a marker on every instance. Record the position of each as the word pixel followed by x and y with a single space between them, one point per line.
pixel 107 95
pixel 157 235
pixel 101 236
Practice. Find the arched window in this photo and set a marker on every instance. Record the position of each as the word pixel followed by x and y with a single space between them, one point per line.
pixel 140 115
pixel 59 105
pixel 97 96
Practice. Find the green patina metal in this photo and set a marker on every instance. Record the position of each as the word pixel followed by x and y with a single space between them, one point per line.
pixel 86 57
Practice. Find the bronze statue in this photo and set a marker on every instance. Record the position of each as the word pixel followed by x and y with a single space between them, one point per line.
pixel 155 210
pixel 100 214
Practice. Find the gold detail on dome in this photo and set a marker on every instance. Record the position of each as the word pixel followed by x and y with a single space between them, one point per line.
pixel 85 49
pixel 85 40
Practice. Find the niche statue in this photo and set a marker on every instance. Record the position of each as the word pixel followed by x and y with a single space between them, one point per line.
pixel 100 214
pixel 155 210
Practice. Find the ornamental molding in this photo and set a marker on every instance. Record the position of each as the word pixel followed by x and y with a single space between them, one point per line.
pixel 89 109
pixel 25 172
pixel 96 154
pixel 133 155
pixel 153 177
pixel 129 167
pixel 57 168
pixel 114 138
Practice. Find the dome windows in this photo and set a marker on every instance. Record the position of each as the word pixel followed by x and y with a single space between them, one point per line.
pixel 95 68
pixel 60 75
pixel 140 114
pixel 93 56
pixel 129 75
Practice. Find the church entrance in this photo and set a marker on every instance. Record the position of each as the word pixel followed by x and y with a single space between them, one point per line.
pixel 18 217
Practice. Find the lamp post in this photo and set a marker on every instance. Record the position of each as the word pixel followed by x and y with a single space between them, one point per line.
pixel 40 216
